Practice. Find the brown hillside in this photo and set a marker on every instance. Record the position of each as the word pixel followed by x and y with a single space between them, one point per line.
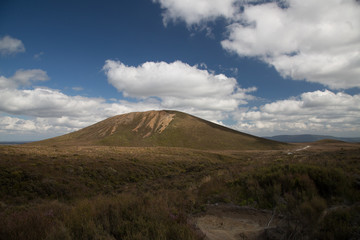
pixel 162 128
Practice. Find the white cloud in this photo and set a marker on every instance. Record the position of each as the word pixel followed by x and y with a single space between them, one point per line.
pixel 178 85
pixel 18 129
pixel 196 12
pixel 43 102
pixel 50 113
pixel 42 112
pixel 318 112
pixel 23 78
pixel 318 41
pixel 15 124
pixel 9 45
pixel 49 109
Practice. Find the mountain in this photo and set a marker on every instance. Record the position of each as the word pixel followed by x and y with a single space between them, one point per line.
pixel 308 138
pixel 162 128
pixel 14 143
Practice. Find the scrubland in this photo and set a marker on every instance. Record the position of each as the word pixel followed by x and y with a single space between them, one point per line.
pixel 101 192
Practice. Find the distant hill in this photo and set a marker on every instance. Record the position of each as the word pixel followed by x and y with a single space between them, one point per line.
pixel 308 138
pixel 162 128
pixel 14 143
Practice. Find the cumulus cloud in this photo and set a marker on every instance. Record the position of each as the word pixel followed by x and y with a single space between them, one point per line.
pixel 9 45
pixel 317 41
pixel 312 112
pixel 154 85
pixel 50 111
pixel 12 127
pixel 178 85
pixel 196 12
pixel 23 78
pixel 43 102
pixel 15 124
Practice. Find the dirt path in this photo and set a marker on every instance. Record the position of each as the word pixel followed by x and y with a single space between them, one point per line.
pixel 302 149
pixel 229 222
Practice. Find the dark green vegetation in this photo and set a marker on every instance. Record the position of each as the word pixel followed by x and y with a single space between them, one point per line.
pixel 105 192
pixel 165 129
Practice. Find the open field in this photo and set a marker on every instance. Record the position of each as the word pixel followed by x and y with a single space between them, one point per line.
pixel 308 191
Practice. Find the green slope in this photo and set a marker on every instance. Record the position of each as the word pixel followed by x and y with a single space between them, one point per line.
pixel 162 128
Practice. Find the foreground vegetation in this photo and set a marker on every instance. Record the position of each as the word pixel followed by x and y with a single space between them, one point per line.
pixel 153 193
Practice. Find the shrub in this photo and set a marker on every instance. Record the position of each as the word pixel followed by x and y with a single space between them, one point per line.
pixel 124 216
pixel 342 223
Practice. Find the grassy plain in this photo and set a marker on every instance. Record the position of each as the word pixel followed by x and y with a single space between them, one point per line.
pixel 105 192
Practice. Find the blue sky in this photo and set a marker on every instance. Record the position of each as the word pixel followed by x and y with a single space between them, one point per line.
pixel 261 67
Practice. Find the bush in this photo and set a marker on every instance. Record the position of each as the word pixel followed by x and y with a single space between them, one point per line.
pixel 124 217
pixel 342 223
pixel 269 186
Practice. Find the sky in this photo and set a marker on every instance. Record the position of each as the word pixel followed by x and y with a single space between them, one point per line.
pixel 263 67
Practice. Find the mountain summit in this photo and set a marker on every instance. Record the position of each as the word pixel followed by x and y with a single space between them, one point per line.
pixel 164 129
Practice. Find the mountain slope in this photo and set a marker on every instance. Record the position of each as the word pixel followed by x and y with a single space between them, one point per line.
pixel 162 128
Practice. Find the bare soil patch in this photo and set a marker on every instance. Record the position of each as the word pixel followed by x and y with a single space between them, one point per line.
pixel 230 222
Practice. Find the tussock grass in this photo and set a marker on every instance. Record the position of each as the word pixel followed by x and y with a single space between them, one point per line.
pixel 52 192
